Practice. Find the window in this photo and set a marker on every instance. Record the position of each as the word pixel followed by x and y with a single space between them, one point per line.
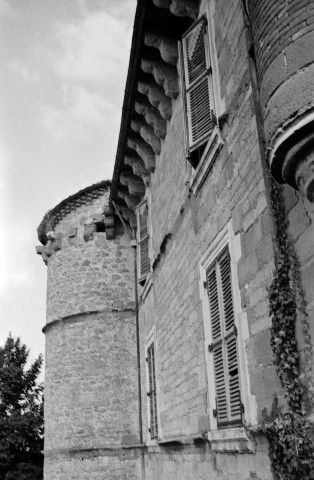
pixel 230 401
pixel 143 241
pixel 223 348
pixel 197 89
pixel 152 391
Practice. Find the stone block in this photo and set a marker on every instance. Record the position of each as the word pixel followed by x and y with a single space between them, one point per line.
pixel 72 232
pixel 203 424
pixel 262 348
pixel 298 221
pixel 248 268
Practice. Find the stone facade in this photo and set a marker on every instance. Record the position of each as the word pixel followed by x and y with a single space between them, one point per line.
pixel 200 202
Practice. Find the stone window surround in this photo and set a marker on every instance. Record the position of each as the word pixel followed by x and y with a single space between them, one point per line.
pixel 232 439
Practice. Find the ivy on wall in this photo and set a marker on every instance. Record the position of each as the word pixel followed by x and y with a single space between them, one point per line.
pixel 290 434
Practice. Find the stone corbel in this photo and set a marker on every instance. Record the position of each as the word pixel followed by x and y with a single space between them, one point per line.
pixel 180 8
pixel 147 133
pixel 133 182
pixel 165 76
pixel 109 223
pixel 53 245
pixel 168 48
pixel 292 157
pixel 157 98
pixel 144 150
pixel 129 216
pixel 137 165
pixel 130 200
pixel 152 117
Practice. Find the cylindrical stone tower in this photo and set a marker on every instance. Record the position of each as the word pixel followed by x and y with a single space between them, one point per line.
pixel 283 38
pixel 91 402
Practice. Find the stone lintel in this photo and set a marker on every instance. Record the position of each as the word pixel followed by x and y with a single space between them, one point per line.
pixel 157 98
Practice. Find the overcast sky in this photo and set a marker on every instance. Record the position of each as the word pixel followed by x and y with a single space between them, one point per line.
pixel 63 70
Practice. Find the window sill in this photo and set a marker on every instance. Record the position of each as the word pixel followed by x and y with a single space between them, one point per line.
pixel 231 440
pixel 152 446
pixel 212 149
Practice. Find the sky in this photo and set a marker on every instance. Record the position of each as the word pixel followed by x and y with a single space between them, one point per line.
pixel 63 67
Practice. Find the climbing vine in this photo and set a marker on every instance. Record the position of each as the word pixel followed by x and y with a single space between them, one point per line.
pixel 290 434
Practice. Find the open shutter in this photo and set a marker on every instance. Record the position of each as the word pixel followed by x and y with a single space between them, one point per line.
pixel 233 384
pixel 152 394
pixel 143 241
pixel 224 346
pixel 198 83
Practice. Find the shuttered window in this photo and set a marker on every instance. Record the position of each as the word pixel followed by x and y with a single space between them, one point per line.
pixel 198 85
pixel 224 342
pixel 152 392
pixel 143 241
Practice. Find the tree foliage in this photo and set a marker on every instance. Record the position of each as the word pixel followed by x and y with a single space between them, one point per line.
pixel 21 414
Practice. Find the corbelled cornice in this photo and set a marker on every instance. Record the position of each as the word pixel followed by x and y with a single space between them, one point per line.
pixel 151 88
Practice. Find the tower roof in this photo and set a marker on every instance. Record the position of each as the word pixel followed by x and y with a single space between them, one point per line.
pixel 82 197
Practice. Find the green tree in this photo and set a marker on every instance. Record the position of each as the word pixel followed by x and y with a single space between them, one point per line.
pixel 21 414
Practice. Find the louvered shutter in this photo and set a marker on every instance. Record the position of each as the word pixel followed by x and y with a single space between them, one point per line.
pixel 152 393
pixel 224 346
pixel 143 241
pixel 198 83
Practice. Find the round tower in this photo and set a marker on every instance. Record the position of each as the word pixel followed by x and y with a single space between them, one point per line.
pixel 91 402
pixel 283 38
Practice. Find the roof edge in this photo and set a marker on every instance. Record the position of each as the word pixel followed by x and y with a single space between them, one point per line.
pixel 53 216
pixel 129 90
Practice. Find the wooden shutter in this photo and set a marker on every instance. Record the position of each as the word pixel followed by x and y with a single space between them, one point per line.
pixel 198 83
pixel 152 393
pixel 143 241
pixel 224 346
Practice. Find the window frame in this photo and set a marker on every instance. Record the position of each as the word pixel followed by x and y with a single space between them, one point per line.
pixel 227 438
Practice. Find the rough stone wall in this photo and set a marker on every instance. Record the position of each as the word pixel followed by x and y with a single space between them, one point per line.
pixel 88 275
pixel 91 402
pixel 234 190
